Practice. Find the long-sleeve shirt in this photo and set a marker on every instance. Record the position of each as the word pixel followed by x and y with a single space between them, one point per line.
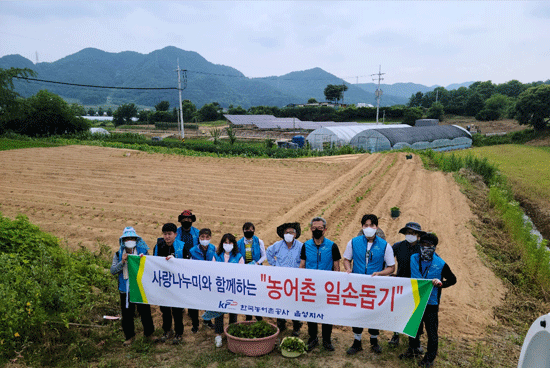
pixel 280 255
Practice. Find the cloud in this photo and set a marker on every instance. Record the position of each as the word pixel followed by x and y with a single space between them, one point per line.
pixel 267 42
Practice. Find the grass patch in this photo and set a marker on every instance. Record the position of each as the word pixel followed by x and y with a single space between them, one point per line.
pixel 9 144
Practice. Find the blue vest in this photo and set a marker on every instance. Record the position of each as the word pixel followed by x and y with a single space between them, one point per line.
pixel 141 249
pixel 433 272
pixel 194 233
pixel 319 258
pixel 232 258
pixel 376 257
pixel 196 253
pixel 255 248
pixel 178 248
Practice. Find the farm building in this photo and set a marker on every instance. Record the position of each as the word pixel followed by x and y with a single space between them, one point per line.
pixel 439 138
pixel 337 136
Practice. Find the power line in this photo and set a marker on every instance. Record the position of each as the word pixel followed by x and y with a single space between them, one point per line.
pixel 92 86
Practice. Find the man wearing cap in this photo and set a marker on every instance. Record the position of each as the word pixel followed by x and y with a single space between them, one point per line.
pixel 187 233
pixel 428 265
pixel 320 253
pixel 130 243
pixel 286 253
pixel 403 251
pixel 371 255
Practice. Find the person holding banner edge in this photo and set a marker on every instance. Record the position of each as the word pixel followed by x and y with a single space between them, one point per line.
pixel 252 249
pixel 402 251
pixel 228 252
pixel 286 253
pixel 320 253
pixel 371 255
pixel 428 265
pixel 130 243
pixel 169 246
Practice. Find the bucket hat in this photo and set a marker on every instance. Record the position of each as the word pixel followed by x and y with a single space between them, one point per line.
pixel 415 226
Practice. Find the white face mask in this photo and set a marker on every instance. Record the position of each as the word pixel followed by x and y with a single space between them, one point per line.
pixel 204 243
pixel 289 237
pixel 369 232
pixel 411 238
pixel 228 247
pixel 130 244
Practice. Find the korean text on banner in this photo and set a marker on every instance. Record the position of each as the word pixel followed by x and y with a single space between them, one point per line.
pixel 386 303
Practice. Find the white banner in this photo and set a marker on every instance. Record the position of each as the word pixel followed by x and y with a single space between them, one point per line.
pixel 338 298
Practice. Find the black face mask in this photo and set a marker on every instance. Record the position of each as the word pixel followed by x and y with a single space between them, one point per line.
pixel 317 234
pixel 186 225
pixel 248 234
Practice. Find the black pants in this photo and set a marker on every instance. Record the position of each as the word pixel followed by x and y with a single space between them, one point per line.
pixel 431 322
pixel 194 315
pixel 326 331
pixel 296 325
pixel 258 318
pixel 359 330
pixel 167 314
pixel 218 322
pixel 144 311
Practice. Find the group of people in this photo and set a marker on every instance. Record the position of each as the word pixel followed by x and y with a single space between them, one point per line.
pixel 368 253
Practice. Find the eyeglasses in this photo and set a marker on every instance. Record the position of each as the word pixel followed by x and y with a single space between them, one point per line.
pixel 317 228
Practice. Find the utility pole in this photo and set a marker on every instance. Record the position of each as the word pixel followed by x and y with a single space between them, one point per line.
pixel 184 72
pixel 378 92
pixel 343 90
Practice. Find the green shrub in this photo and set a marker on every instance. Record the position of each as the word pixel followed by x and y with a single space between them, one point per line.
pixel 44 288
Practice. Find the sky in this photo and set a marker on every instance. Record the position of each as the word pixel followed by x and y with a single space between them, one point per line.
pixel 425 42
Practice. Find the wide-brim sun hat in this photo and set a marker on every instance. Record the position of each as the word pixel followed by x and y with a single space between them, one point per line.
pixel 129 232
pixel 187 213
pixel 295 225
pixel 414 226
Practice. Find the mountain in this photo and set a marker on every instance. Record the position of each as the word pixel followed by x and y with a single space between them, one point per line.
pixel 206 82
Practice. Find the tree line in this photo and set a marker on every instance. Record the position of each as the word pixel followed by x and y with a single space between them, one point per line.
pixel 48 114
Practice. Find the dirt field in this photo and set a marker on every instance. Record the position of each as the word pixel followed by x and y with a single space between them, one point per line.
pixel 87 195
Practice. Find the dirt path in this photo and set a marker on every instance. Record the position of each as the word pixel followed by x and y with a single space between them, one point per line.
pixel 87 195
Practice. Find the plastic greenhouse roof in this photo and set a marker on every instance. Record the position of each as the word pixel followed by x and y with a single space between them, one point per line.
pixel 423 134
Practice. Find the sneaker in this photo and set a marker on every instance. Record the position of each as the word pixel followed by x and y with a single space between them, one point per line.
pixel 356 347
pixel 394 342
pixel 328 345
pixel 176 340
pixel 374 346
pixel 312 343
pixel 195 329
pixel 218 341
pixel 129 341
pixel 410 353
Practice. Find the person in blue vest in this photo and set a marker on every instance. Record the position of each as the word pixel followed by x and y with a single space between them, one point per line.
pixel 204 251
pixel 169 246
pixel 187 233
pixel 403 251
pixel 371 255
pixel 320 253
pixel 286 253
pixel 428 265
pixel 130 243
pixel 252 249
pixel 227 252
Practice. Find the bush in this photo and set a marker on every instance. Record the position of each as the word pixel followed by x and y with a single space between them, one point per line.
pixel 44 288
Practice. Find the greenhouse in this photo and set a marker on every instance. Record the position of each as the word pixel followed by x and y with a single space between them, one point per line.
pixel 338 136
pixel 438 138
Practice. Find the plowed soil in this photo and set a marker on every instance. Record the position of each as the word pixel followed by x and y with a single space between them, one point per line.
pixel 85 195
